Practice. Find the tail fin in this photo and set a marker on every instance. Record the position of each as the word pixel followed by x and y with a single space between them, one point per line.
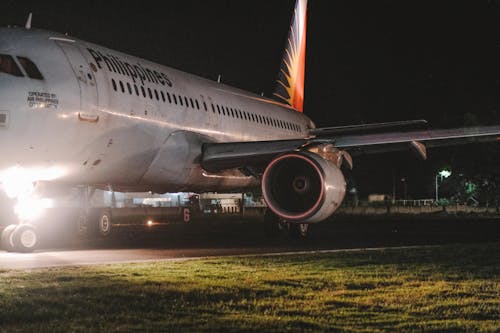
pixel 290 87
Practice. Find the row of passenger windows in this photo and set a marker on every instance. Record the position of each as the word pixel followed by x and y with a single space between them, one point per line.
pixel 195 104
pixel 8 65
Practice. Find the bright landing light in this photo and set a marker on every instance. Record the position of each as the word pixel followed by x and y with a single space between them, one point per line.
pixel 29 209
pixel 19 183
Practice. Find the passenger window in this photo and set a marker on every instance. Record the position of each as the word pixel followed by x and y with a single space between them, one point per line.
pixel 180 101
pixel 129 88
pixel 162 96
pixel 175 98
pixel 122 87
pixel 150 93
pixel 169 97
pixel 30 68
pixel 7 65
pixel 114 84
pixel 136 90
pixel 156 95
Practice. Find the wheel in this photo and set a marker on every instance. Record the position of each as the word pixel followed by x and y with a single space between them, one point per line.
pixel 299 230
pixel 7 242
pixel 104 224
pixel 25 238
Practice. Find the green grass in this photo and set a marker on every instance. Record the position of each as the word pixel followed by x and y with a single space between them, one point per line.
pixel 438 289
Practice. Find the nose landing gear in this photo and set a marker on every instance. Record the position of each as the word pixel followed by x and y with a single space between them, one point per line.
pixel 20 238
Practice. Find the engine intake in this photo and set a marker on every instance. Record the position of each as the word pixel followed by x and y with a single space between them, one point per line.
pixel 303 187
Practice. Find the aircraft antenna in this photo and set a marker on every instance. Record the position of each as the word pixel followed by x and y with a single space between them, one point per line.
pixel 28 21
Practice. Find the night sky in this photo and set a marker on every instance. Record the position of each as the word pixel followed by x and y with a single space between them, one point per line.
pixel 368 61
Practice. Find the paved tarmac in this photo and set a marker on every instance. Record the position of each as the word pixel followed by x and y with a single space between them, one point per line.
pixel 208 239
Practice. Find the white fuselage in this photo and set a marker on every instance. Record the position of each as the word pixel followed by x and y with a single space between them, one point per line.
pixel 106 118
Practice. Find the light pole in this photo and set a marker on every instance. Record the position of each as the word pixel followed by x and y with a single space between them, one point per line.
pixel 441 174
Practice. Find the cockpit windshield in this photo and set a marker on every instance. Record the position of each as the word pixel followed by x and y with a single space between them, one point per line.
pixel 9 66
pixel 30 68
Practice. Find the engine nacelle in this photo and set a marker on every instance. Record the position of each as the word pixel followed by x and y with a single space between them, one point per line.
pixel 303 187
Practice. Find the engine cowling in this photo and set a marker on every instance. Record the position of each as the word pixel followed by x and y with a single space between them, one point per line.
pixel 303 187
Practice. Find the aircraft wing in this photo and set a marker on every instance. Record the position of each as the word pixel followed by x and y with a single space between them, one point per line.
pixel 393 141
pixel 220 156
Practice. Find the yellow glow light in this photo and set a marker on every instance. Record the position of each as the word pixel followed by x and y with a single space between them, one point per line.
pixel 19 183
pixel 30 208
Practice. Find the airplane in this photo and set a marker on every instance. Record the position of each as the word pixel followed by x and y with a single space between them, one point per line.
pixel 76 114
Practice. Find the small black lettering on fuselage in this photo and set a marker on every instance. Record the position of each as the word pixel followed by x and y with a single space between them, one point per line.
pixel 136 72
pixel 44 100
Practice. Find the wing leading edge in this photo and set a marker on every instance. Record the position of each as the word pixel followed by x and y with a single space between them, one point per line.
pixel 221 156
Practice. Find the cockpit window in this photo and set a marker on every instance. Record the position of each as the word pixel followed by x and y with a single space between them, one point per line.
pixel 9 66
pixel 30 68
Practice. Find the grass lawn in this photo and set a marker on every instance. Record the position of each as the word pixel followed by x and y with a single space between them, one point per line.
pixel 438 289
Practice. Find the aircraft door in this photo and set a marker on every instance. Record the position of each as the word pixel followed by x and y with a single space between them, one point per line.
pixel 86 81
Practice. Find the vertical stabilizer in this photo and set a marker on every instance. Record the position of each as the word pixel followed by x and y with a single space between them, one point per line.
pixel 290 84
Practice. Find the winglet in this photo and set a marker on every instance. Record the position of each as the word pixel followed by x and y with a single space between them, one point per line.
pixel 28 21
pixel 290 87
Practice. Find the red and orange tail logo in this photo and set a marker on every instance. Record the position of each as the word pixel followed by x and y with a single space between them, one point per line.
pixel 290 88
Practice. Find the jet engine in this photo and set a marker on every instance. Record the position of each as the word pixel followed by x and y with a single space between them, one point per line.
pixel 303 187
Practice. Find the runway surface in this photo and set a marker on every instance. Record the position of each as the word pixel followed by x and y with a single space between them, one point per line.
pixel 179 242
pixel 15 261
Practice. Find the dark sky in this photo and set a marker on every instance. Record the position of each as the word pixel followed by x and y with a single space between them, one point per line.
pixel 368 61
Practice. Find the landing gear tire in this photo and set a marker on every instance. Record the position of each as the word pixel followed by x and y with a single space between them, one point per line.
pixel 20 238
pixel 25 238
pixel 104 225
pixel 299 230
pixel 7 241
